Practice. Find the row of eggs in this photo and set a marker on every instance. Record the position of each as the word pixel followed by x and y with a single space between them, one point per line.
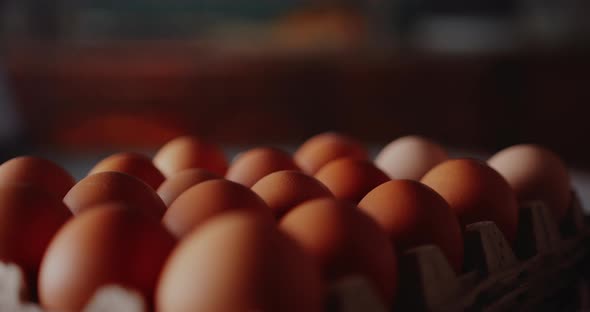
pixel 271 234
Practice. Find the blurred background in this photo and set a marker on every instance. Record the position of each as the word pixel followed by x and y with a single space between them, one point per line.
pixel 80 77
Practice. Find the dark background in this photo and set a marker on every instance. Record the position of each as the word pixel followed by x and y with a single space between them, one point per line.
pixel 88 76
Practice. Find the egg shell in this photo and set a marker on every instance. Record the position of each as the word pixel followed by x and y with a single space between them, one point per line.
pixel 475 192
pixel 412 214
pixel 254 164
pixel 344 241
pixel 109 244
pixel 351 179
pixel 283 190
pixel 410 157
pixel 134 164
pixel 255 268
pixel 325 147
pixel 114 186
pixel 38 172
pixel 535 173
pixel 29 217
pixel 205 200
pixel 182 181
pixel 188 152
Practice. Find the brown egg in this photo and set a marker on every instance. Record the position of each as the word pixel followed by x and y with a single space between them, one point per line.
pixel 39 172
pixel 29 217
pixel 284 190
pixel 110 244
pixel 133 164
pixel 114 186
pixel 412 214
pixel 323 148
pixel 182 181
pixel 351 179
pixel 253 165
pixel 206 199
pixel 187 153
pixel 410 157
pixel 344 241
pixel 535 173
pixel 475 193
pixel 238 262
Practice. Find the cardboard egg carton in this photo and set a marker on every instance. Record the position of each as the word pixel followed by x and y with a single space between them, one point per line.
pixel 544 271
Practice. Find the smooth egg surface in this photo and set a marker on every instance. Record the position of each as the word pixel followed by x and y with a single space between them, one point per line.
pixel 29 217
pixel 412 214
pixel 351 179
pixel 325 147
pixel 254 164
pixel 238 261
pixel 109 244
pixel 114 186
pixel 38 172
pixel 344 241
pixel 207 199
pixel 283 190
pixel 475 192
pixel 182 181
pixel 410 157
pixel 535 173
pixel 134 164
pixel 190 152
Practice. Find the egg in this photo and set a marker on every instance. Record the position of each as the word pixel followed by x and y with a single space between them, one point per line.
pixel 38 172
pixel 254 164
pixel 187 153
pixel 475 192
pixel 410 157
pixel 412 215
pixel 133 164
pixel 535 173
pixel 344 241
pixel 114 186
pixel 29 217
pixel 322 148
pixel 182 181
pixel 109 244
pixel 351 179
pixel 238 261
pixel 205 200
pixel 283 190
